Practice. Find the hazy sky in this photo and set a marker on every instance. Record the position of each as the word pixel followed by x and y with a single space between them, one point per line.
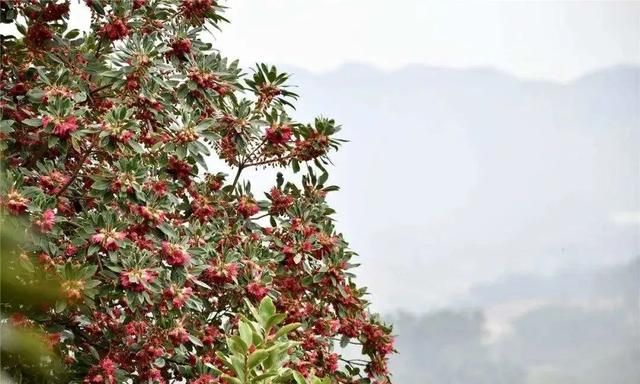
pixel 542 39
pixel 552 40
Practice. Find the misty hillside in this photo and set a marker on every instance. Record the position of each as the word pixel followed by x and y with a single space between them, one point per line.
pixel 479 174
pixel 560 335
pixel 579 286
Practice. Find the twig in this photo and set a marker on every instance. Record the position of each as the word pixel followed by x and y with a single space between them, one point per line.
pixel 77 170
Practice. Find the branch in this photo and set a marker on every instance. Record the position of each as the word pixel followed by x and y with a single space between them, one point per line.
pixel 362 363
pixel 77 170
pixel 264 162
pixel 248 157
pixel 235 179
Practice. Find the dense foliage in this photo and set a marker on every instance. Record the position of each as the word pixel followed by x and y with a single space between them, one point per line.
pixel 169 270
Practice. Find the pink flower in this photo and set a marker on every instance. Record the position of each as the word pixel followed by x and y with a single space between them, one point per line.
pixel 137 280
pixel 16 203
pixel 278 134
pixel 178 296
pixel 66 127
pixel 46 221
pixel 108 240
pixel 175 255
pixel 247 207
pixel 205 379
pixel 178 335
pixel 219 273
pixel 257 290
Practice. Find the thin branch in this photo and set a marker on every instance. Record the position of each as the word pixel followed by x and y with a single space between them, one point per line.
pixel 248 157
pixel 264 162
pixel 362 363
pixel 261 216
pixel 235 179
pixel 77 170
pixel 100 89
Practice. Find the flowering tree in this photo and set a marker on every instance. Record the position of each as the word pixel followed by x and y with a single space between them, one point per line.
pixel 168 271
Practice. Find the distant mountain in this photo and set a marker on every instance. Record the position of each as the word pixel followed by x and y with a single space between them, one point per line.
pixel 453 177
pixel 620 283
pixel 574 327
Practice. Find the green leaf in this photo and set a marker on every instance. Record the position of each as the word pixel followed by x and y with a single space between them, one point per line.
pixel 299 378
pixel 286 329
pixel 237 345
pixel 231 380
pixel 275 320
pixel 80 97
pixel 323 178
pixel 72 34
pixel 195 341
pixel 267 308
pixel 246 334
pixel 32 122
pixel 256 358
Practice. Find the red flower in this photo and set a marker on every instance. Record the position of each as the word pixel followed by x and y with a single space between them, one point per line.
pixel 38 34
pixel 137 4
pixel 46 221
pixel 103 373
pixel 278 134
pixel 280 202
pixel 18 90
pixel 178 296
pixel 65 127
pixel 181 47
pixel 257 290
pixel 54 11
pixel 16 203
pixel 137 280
pixel 108 240
pixel 115 30
pixel 159 188
pixel 247 207
pixel 205 379
pixel 54 181
pixel 219 273
pixel 175 255
pixel 211 333
pixel 178 335
pixel 196 9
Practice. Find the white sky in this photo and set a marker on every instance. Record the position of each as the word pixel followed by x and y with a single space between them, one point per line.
pixel 531 39
pixel 550 40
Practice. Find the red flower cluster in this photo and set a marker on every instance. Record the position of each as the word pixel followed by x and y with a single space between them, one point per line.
pixel 278 134
pixel 116 29
pixel 108 240
pixel 180 47
pixel 257 290
pixel 15 203
pixel 178 296
pixel 137 280
pixel 175 255
pixel 247 207
pixel 178 335
pixel 280 202
pixel 196 10
pixel 39 34
pixel 62 127
pixel 103 373
pixel 46 221
pixel 53 182
pixel 220 273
